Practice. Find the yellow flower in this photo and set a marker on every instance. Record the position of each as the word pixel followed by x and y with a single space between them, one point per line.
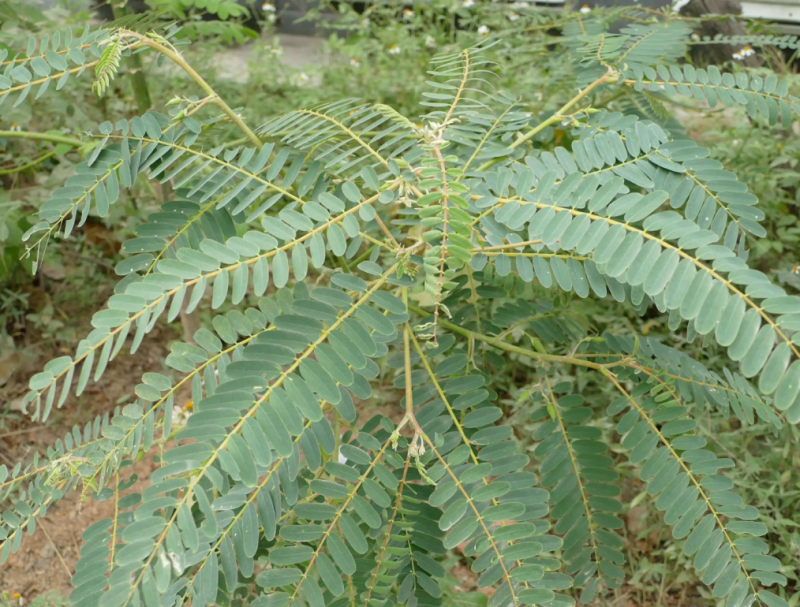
pixel 189 406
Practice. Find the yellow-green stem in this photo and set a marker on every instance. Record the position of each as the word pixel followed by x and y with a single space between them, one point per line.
pixel 184 65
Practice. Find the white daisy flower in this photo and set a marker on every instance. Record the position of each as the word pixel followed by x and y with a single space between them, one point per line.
pixel 276 50
pixel 738 56
pixel 355 62
pixel 268 7
pixel 430 42
pixel 15 127
pixel 408 14
pixel 483 30
pixel 468 3
pixel 695 37
pixel 394 50
pixel 303 78
pixel 747 51
pixel 513 17
pixel 585 9
pixel 796 269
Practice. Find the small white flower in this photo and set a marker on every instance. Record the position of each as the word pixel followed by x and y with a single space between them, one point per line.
pixel 408 14
pixel 747 51
pixel 695 37
pixel 538 95
pixel 180 415
pixel 365 22
pixel 483 30
pixel 468 3
pixel 585 9
pixel 796 269
pixel 15 127
pixel 268 7
pixel 276 50
pixel 394 50
pixel 303 78
pixel 355 62
pixel 735 142
pixel 342 459
pixel 738 56
pixel 513 17
pixel 430 42
pixel 177 416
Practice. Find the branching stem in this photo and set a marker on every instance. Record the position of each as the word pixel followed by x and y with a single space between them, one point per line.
pixel 559 115
pixel 178 59
pixel 50 137
pixel 542 356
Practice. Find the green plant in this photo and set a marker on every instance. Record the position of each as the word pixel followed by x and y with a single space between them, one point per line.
pixel 349 251
pixel 226 23
pixel 50 599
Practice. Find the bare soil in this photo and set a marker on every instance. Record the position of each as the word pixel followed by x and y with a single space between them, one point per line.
pixel 45 561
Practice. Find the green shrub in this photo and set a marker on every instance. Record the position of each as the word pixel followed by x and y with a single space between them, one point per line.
pixel 353 257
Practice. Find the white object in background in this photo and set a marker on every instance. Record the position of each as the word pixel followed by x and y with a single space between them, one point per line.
pixel 679 4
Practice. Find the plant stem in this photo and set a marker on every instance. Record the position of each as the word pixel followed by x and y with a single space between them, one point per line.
pixel 494 341
pixel 407 358
pixel 27 166
pixel 559 115
pixel 184 65
pixel 51 137
pixel 609 76
pixel 386 231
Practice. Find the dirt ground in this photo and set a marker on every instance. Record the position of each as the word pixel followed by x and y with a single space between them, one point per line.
pixel 45 561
